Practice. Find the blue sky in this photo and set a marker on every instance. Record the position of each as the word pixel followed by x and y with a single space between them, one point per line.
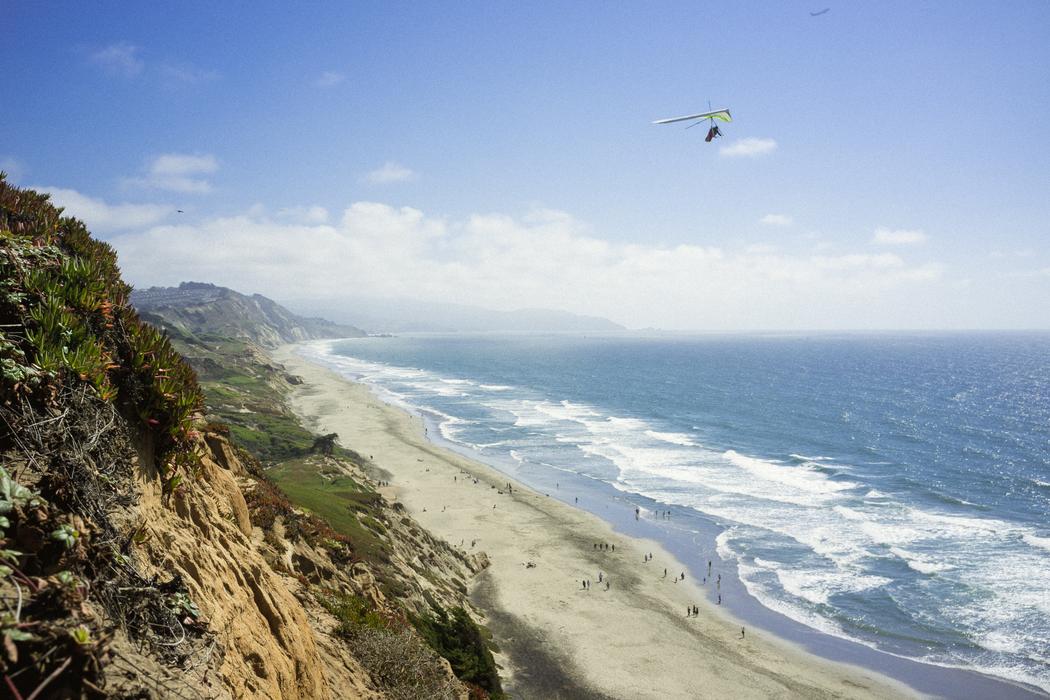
pixel 501 154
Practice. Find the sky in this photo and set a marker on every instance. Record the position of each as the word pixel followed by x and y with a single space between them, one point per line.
pixel 887 167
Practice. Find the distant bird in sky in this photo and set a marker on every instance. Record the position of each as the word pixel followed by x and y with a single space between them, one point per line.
pixel 817 14
pixel 179 211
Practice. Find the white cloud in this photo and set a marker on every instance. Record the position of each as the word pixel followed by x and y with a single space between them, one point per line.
pixel 186 74
pixel 101 217
pixel 178 172
pixel 329 78
pixel 885 236
pixel 761 249
pixel 390 172
pixel 776 220
pixel 748 148
pixel 120 59
pixel 544 259
pixel 306 215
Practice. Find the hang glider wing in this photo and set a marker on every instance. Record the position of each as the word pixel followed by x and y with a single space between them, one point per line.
pixel 720 114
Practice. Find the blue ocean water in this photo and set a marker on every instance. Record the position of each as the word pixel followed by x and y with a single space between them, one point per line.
pixel 891 489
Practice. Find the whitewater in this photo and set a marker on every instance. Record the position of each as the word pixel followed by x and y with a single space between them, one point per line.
pixel 893 490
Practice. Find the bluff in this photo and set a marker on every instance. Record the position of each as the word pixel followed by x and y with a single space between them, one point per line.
pixel 209 309
pixel 144 553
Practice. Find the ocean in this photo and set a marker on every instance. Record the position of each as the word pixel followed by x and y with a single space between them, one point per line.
pixel 889 489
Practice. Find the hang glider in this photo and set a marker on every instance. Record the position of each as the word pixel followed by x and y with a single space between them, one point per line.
pixel 720 114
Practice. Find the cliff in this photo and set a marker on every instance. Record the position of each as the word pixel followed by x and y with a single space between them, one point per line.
pixel 143 553
pixel 218 311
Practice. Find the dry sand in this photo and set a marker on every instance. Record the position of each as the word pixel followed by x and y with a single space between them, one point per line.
pixel 631 641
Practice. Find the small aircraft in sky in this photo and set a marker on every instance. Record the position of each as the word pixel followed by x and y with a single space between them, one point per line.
pixel 713 132
pixel 820 12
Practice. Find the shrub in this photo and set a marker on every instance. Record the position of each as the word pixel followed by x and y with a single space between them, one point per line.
pixel 458 639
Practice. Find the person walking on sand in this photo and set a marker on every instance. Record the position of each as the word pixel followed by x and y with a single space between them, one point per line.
pixel 741 632
pixel 665 573
pixel 719 598
pixel 696 611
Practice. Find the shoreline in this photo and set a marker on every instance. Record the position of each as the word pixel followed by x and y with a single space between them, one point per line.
pixel 633 640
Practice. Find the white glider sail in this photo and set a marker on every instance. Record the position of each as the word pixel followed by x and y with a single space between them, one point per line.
pixel 720 114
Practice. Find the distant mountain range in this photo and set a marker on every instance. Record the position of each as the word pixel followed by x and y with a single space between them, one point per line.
pixel 398 316
pixel 197 308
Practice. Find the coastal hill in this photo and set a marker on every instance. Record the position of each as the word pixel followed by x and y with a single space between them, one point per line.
pixel 209 309
pixel 145 552
pixel 404 315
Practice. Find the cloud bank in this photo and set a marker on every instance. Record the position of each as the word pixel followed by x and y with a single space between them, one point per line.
pixel 103 218
pixel 546 258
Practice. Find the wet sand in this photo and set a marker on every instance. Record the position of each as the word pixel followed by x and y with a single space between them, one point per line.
pixel 633 640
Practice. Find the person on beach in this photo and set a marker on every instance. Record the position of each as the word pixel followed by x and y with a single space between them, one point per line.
pixel 606 585
pixel 719 598
pixel 741 632
pixel 683 576
pixel 665 573
pixel 696 611
pixel 637 513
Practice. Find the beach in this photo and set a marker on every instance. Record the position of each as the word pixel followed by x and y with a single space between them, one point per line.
pixel 631 638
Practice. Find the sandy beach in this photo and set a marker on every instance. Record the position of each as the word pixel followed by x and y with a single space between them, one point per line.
pixel 630 640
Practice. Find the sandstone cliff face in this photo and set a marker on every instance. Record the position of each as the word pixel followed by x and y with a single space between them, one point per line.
pixel 276 640
pixel 204 536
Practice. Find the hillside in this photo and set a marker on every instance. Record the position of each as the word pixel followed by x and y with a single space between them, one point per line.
pixel 144 553
pixel 208 309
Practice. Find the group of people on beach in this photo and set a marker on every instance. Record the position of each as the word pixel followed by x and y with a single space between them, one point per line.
pixel 585 584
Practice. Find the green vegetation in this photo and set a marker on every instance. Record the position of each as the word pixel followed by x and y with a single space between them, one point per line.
pixel 336 498
pixel 399 661
pixel 62 294
pixel 83 382
pixel 353 612
pixel 458 639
